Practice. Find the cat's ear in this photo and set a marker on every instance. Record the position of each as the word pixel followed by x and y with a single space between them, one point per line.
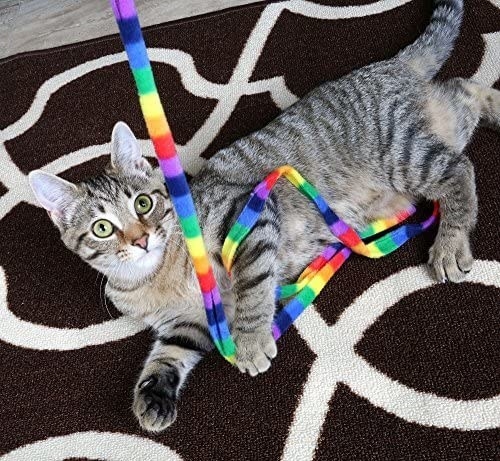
pixel 126 154
pixel 52 192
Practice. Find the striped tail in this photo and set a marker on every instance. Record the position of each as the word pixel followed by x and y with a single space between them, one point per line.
pixel 431 50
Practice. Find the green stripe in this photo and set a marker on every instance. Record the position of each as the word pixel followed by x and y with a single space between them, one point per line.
pixel 190 226
pixel 238 232
pixel 306 296
pixel 367 232
pixel 309 190
pixel 227 345
pixel 287 291
pixel 144 80
pixel 386 245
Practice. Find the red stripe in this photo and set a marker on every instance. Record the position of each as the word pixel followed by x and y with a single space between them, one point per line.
pixel 164 146
pixel 207 281
pixel 318 263
pixel 350 238
pixel 271 179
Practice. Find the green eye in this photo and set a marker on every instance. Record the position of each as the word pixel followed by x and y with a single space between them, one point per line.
pixel 102 228
pixel 143 204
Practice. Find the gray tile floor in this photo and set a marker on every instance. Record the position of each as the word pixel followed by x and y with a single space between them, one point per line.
pixel 27 25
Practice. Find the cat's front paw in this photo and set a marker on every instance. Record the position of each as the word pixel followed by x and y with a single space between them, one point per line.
pixel 254 351
pixel 155 400
pixel 451 258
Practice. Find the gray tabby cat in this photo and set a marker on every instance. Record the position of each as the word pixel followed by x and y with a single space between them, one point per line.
pixel 370 142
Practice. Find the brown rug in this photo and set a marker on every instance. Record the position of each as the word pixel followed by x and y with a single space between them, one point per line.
pixel 388 365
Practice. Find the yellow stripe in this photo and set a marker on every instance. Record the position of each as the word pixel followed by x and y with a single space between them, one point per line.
pixel 151 105
pixel 196 247
pixel 361 249
pixel 379 226
pixel 317 284
pixel 228 252
pixel 374 252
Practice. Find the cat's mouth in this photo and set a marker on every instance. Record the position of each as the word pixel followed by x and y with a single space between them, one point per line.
pixel 150 258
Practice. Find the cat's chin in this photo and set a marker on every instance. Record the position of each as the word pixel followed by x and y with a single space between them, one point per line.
pixel 148 263
pixel 138 271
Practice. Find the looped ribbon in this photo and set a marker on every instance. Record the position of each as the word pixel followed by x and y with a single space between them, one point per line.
pixel 321 270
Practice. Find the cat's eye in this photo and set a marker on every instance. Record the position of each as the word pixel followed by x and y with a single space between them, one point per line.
pixel 102 228
pixel 143 204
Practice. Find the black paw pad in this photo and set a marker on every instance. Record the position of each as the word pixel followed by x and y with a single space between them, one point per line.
pixel 159 393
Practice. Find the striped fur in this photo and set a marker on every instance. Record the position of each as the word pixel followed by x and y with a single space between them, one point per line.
pixel 371 142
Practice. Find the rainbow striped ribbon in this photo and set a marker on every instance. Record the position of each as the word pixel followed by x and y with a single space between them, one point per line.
pixel 314 278
pixel 159 131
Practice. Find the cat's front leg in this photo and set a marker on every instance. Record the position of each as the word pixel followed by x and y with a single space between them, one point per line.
pixel 165 371
pixel 255 273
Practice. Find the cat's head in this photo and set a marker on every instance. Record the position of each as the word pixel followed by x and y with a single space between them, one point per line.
pixel 120 221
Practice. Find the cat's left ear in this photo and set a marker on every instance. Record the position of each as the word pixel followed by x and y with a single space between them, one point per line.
pixel 53 193
pixel 126 154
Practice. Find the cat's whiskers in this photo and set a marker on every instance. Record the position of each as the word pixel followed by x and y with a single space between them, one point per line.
pixel 177 232
pixel 102 293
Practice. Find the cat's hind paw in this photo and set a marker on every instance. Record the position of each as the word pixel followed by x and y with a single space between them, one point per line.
pixel 255 350
pixel 451 258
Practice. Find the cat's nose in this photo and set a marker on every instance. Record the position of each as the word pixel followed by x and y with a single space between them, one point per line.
pixel 141 242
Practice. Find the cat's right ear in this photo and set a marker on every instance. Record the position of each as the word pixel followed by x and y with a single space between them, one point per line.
pixel 126 155
pixel 52 192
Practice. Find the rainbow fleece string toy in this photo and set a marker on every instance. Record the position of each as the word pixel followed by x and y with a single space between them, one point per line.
pixel 315 276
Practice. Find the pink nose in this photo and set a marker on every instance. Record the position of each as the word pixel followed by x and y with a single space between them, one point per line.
pixel 141 242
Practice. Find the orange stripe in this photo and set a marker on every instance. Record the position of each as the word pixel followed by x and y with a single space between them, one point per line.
pixel 201 265
pixel 157 126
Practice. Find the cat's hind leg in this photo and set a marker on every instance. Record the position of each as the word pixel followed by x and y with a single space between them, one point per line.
pixel 453 186
pixel 487 101
pixel 451 256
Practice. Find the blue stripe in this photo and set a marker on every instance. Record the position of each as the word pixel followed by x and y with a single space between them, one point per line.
pixel 212 326
pixel 321 204
pixel 178 186
pixel 330 217
pixel 137 55
pixel 184 206
pixel 413 230
pixel 294 308
pixel 283 321
pixel 399 237
pixel 220 318
pixel 255 203
pixel 130 30
pixel 248 217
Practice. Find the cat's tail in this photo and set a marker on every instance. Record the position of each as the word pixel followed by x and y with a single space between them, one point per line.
pixel 431 50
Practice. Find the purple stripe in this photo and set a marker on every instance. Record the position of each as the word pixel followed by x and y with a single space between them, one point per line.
pixel 171 166
pixel 123 9
pixel 339 228
pixel 207 300
pixel 216 296
pixel 428 222
pixel 329 252
pixel 262 193
pixel 275 331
